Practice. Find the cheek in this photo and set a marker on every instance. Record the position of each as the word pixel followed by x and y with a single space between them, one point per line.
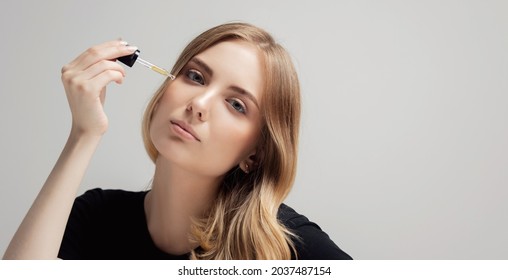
pixel 236 141
pixel 159 119
pixel 167 103
pixel 175 94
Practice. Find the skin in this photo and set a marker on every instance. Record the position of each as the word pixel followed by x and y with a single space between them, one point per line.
pixel 224 119
pixel 187 171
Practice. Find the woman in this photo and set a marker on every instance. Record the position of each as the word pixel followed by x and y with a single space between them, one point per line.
pixel 223 136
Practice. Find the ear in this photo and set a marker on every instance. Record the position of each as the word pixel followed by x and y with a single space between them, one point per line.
pixel 251 162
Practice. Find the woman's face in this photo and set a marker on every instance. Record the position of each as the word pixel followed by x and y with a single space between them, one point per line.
pixel 208 119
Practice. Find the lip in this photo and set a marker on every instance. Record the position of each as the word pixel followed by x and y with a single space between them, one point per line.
pixel 184 130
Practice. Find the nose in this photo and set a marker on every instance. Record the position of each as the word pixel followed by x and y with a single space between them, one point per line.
pixel 199 105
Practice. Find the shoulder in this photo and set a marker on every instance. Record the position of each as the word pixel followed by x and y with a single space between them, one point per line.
pixel 98 207
pixel 104 195
pixel 311 242
pixel 102 203
pixel 98 219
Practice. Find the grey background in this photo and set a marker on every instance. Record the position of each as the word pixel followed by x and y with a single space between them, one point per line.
pixel 404 135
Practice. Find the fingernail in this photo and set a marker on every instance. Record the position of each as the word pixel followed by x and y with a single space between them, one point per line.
pixel 131 48
pixel 123 43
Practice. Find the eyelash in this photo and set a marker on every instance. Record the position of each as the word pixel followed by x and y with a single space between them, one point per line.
pixel 190 72
pixel 232 102
pixel 242 108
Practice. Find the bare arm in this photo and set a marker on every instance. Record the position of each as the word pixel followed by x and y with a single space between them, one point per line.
pixel 40 234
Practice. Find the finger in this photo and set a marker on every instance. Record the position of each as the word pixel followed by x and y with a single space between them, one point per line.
pixel 81 80
pixel 94 55
pixel 100 67
pixel 102 96
pixel 78 59
pixel 99 46
pixel 92 88
pixel 101 80
pixel 106 51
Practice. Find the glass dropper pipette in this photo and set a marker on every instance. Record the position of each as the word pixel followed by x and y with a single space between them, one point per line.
pixel 129 60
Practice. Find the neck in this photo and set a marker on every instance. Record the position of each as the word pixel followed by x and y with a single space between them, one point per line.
pixel 177 195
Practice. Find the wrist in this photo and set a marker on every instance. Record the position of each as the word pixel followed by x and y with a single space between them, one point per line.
pixel 84 137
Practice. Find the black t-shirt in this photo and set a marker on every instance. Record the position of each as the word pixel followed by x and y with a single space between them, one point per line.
pixel 111 224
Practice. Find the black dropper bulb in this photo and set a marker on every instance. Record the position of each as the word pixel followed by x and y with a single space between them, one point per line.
pixel 129 59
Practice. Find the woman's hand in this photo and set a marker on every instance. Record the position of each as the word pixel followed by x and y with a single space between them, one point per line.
pixel 85 80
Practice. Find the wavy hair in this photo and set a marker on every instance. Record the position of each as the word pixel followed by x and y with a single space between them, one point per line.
pixel 242 223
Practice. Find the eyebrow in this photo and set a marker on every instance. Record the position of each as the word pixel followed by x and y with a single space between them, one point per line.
pixel 203 65
pixel 246 93
pixel 237 89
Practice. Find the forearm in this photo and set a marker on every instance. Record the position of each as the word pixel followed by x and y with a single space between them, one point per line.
pixel 40 234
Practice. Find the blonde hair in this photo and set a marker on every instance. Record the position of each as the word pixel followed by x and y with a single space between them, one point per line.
pixel 242 223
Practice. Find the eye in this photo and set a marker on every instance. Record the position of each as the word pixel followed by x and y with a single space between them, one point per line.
pixel 237 105
pixel 195 76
